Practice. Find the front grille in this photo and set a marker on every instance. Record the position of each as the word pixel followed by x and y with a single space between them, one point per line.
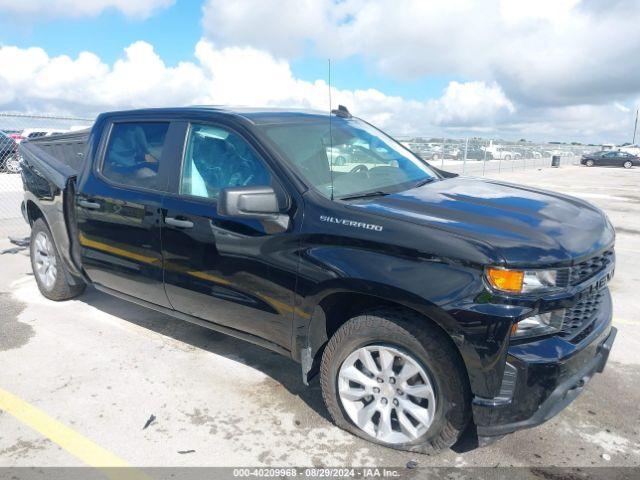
pixel 579 319
pixel 587 269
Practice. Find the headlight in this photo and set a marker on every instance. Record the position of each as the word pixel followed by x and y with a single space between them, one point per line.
pixel 541 324
pixel 526 281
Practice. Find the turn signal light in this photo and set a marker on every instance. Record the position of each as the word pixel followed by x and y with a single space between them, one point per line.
pixel 506 280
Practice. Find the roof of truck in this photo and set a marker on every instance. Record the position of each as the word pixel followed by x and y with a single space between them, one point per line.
pixel 256 115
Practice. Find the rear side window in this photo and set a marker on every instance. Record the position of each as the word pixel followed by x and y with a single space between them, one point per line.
pixel 133 153
pixel 217 158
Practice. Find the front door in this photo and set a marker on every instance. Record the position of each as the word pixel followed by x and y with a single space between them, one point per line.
pixel 609 158
pixel 235 272
pixel 118 210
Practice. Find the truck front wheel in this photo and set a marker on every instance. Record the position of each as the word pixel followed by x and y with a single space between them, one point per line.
pixel 48 267
pixel 391 377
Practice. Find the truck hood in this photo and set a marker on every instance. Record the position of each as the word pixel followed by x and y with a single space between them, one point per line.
pixel 526 226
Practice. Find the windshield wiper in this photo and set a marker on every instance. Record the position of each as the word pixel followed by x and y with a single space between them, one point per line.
pixel 424 181
pixel 376 193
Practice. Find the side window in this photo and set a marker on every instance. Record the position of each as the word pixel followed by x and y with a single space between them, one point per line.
pixel 217 158
pixel 133 154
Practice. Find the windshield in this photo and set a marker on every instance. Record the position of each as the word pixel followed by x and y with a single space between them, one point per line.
pixel 353 159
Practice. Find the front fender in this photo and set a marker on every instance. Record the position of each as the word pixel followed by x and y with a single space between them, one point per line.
pixel 448 293
pixel 433 288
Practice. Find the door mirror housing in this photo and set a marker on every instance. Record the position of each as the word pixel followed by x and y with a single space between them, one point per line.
pixel 259 203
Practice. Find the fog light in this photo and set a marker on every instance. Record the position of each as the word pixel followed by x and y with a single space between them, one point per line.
pixel 536 325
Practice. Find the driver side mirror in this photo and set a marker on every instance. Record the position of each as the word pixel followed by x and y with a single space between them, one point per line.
pixel 258 203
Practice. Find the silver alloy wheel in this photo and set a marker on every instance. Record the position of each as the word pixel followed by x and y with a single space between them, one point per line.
pixel 13 165
pixel 387 393
pixel 45 260
pixel 628 164
pixel 589 163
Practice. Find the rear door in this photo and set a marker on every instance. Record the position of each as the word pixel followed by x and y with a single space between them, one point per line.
pixel 118 208
pixel 235 272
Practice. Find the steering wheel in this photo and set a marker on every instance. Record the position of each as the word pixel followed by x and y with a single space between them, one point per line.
pixel 360 168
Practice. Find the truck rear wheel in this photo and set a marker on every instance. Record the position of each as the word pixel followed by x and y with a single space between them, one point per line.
pixel 392 378
pixel 48 267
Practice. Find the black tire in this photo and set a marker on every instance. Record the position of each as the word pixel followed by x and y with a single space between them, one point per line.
pixel 60 289
pixel 589 163
pixel 428 345
pixel 627 164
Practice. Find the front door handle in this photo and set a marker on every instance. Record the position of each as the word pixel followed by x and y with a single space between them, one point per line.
pixel 89 205
pixel 178 223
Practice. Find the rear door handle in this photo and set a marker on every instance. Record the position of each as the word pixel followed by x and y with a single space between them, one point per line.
pixel 178 223
pixel 89 205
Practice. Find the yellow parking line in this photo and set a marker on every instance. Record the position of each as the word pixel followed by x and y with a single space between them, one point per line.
pixel 74 443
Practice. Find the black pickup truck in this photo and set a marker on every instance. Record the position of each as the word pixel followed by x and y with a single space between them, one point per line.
pixel 429 304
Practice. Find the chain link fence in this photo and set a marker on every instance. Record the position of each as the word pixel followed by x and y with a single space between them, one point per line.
pixel 14 128
pixel 479 156
pixel 467 156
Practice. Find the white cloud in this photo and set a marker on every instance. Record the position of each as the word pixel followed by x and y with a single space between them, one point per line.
pixel 541 52
pixel 86 85
pixel 87 8
pixel 469 103
pixel 231 76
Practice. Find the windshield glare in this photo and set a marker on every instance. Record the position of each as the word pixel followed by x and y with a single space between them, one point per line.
pixel 351 159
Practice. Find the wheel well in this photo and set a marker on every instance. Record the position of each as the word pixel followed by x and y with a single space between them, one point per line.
pixel 340 307
pixel 33 212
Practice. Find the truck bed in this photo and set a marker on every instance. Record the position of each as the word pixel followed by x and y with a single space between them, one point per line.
pixel 60 156
pixel 50 166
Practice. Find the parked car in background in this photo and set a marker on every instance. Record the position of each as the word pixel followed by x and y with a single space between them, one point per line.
pixel 31 133
pixel 610 158
pixel 477 153
pixel 449 152
pixel 505 154
pixel 339 155
pixel 9 160
pixel 14 134
pixel 425 152
pixel 530 153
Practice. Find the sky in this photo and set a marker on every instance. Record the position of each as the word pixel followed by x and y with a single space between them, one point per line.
pixel 543 70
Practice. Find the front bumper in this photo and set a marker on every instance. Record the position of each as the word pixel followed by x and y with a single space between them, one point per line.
pixel 544 380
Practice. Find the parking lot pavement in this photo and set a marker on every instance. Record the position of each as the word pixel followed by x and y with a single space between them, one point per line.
pixel 100 368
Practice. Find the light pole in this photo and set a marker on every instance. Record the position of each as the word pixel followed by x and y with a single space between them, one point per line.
pixel 635 127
